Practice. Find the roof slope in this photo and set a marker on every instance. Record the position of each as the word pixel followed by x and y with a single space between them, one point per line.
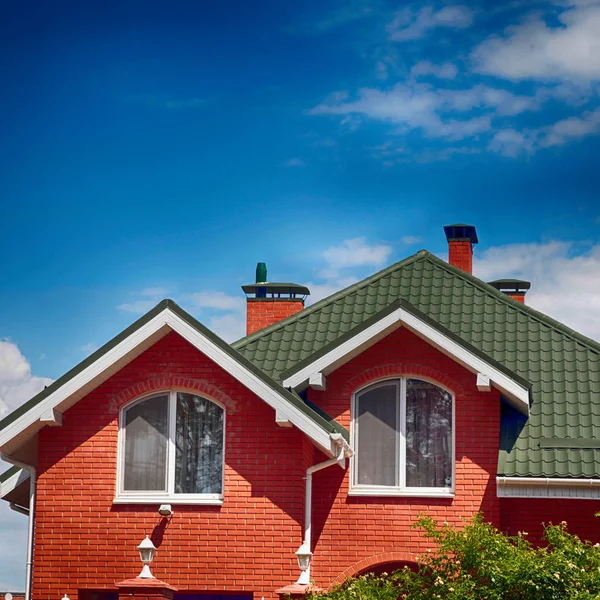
pixel 562 366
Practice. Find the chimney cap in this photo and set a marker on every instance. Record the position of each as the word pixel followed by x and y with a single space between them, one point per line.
pixel 277 288
pixel 511 285
pixel 460 232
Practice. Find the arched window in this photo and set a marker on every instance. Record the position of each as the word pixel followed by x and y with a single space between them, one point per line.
pixel 171 448
pixel 403 437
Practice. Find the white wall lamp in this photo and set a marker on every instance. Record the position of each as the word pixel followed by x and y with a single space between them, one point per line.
pixel 304 555
pixel 147 550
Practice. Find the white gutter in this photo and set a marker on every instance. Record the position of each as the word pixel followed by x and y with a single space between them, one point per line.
pixel 30 531
pixel 344 450
pixel 549 481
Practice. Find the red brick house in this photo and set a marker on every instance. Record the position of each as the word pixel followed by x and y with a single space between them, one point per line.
pixel 421 389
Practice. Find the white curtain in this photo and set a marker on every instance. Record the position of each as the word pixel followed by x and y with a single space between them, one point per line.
pixel 146 433
pixel 376 436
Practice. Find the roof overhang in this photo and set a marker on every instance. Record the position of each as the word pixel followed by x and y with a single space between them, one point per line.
pixel 22 426
pixel 15 487
pixel 401 314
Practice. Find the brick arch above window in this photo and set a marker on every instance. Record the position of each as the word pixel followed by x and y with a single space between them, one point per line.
pixel 172 382
pixel 401 369
pixel 369 562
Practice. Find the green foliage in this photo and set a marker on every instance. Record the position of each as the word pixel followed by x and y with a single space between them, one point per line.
pixel 477 561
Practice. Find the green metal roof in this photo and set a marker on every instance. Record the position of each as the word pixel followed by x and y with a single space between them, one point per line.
pixel 561 365
pixel 9 473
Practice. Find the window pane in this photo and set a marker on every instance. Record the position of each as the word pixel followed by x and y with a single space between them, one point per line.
pixel 428 435
pixel 376 424
pixel 146 426
pixel 199 446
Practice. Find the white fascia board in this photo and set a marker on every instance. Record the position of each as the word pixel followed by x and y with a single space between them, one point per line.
pixel 514 392
pixel 82 383
pixel 13 482
pixel 250 381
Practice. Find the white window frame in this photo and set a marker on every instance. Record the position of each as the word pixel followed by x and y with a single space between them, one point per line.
pixel 401 489
pixel 169 496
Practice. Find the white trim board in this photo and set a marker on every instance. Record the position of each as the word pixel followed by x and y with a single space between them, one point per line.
pixel 515 392
pixel 548 487
pixel 131 347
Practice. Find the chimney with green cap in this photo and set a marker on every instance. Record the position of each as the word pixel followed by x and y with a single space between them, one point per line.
pixel 268 302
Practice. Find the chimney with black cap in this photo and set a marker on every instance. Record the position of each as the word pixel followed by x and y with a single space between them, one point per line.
pixel 515 288
pixel 461 239
pixel 267 303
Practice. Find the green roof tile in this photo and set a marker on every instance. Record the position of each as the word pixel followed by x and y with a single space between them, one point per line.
pixel 561 365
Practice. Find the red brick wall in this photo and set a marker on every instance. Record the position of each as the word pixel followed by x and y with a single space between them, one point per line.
pixel 352 533
pixel 528 514
pixel 247 544
pixel 264 312
pixel 460 254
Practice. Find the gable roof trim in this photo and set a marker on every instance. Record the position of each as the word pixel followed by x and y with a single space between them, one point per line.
pixel 167 316
pixel 400 313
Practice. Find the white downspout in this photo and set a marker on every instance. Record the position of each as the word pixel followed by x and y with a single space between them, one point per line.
pixel 304 578
pixel 30 531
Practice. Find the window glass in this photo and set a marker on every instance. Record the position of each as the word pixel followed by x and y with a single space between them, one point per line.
pixel 198 446
pixel 428 435
pixel 377 432
pixel 146 434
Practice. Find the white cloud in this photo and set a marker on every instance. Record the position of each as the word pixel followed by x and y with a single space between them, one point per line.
pixel 154 292
pixel 411 240
pixel 444 71
pixel 17 384
pixel 216 300
pixel 138 307
pixel 433 110
pixel 318 291
pixel 294 162
pixel 565 283
pixel 355 253
pixel 409 25
pixel 88 348
pixel 230 327
pixel 512 143
pixel 535 50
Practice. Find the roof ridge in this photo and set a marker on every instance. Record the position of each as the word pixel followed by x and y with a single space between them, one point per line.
pixel 330 299
pixel 524 308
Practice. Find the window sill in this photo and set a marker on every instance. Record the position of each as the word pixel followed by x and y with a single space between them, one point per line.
pixel 210 499
pixel 404 492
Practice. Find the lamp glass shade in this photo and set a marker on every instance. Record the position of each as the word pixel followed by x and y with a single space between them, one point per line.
pixel 303 555
pixel 146 550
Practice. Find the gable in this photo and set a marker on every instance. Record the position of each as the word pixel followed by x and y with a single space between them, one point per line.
pixel 562 366
pixel 400 313
pixel 20 428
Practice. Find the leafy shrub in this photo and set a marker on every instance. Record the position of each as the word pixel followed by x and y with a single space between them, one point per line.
pixel 477 561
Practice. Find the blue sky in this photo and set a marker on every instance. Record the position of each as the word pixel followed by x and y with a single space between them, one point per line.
pixel 156 149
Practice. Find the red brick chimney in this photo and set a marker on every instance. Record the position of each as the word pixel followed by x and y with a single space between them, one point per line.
pixel 515 288
pixel 268 303
pixel 461 239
